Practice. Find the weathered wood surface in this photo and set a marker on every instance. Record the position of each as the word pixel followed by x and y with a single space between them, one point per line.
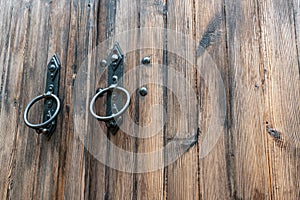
pixel 255 46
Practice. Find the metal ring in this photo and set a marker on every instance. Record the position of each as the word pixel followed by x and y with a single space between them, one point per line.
pixel 33 101
pixel 107 118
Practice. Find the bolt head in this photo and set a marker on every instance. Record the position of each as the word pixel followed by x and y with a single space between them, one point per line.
pixel 146 60
pixel 115 79
pixel 52 68
pixel 103 63
pixel 49 103
pixel 114 58
pixel 143 91
pixel 45 131
pixel 50 88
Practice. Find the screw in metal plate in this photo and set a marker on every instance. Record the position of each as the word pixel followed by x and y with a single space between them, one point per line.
pixel 51 88
pixel 114 58
pixel 52 68
pixel 103 63
pixel 48 116
pixel 49 103
pixel 143 91
pixel 115 79
pixel 45 131
pixel 146 60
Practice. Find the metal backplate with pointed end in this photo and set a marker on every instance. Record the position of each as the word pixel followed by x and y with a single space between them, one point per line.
pixel 52 86
pixel 114 99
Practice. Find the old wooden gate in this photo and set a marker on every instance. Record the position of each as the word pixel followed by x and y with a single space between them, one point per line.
pixel 214 99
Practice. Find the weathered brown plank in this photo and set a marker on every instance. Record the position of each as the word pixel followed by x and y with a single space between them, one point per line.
pixel 125 19
pixel 93 169
pixel 149 184
pixel 181 105
pixel 282 94
pixel 213 166
pixel 10 91
pixel 74 168
pixel 246 155
pixel 85 176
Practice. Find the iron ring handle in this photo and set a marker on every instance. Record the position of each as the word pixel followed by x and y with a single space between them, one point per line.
pixel 114 115
pixel 32 102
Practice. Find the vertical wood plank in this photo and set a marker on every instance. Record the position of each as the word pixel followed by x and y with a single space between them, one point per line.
pixel 149 184
pixel 282 93
pixel 10 93
pixel 211 32
pixel 75 155
pixel 85 177
pixel 97 171
pixel 124 17
pixel 248 172
pixel 182 121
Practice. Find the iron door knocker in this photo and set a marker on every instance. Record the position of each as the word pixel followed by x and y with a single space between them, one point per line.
pixel 114 108
pixel 51 101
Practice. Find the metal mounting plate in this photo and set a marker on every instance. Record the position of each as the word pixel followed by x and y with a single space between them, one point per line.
pixel 114 99
pixel 52 86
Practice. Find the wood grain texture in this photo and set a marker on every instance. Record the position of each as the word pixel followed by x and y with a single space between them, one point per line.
pixel 124 18
pixel 248 172
pixel 255 47
pixel 181 102
pixel 213 168
pixel 150 107
pixel 282 92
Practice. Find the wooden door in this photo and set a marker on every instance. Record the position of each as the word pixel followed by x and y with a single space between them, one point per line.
pixel 220 120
